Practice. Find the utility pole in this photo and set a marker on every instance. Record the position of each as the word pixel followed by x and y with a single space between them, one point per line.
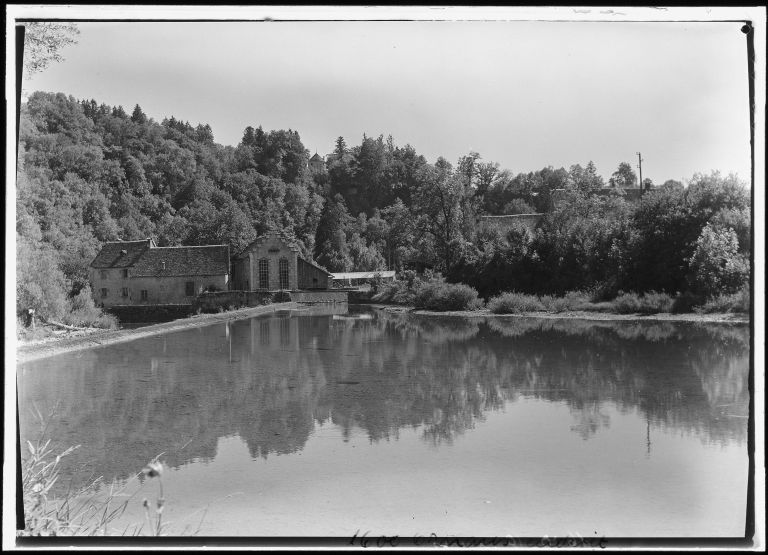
pixel 640 168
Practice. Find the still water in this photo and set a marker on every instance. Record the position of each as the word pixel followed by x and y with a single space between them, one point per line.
pixel 326 421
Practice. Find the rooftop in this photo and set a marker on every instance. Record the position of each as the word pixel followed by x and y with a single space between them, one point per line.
pixel 364 275
pixel 121 254
pixel 206 260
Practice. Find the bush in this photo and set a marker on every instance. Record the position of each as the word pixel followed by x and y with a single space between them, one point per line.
pixel 717 266
pixel 735 302
pixel 686 302
pixel 515 303
pixel 439 295
pixel 603 291
pixel 650 303
pixel 84 313
pixel 653 302
pixel 573 300
pixel 626 303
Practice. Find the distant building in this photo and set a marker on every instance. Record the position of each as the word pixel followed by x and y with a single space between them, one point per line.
pixel 506 221
pixel 271 263
pixel 630 194
pixel 141 273
pixel 316 164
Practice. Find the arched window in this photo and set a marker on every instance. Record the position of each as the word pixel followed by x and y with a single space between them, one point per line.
pixel 263 273
pixel 283 273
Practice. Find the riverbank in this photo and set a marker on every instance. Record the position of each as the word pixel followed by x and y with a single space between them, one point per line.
pixel 84 339
pixel 714 318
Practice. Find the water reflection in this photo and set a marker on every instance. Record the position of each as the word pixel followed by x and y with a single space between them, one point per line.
pixel 271 380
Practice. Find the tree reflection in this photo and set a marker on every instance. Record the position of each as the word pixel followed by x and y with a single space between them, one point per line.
pixel 270 380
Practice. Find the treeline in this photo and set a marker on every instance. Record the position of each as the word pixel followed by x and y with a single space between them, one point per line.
pixel 90 173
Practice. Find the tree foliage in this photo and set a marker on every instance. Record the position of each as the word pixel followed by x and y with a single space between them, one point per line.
pixel 90 173
pixel 43 42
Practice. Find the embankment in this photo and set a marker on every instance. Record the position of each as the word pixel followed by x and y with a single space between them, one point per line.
pixel 714 318
pixel 37 350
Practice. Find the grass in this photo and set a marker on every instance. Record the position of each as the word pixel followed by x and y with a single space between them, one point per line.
pixel 90 510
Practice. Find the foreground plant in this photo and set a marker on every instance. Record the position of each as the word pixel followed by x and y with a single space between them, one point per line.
pixel 90 510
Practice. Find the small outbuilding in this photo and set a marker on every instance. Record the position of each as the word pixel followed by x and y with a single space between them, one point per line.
pixel 352 279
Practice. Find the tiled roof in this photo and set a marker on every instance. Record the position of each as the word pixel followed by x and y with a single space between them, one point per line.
pixel 208 260
pixel 315 265
pixel 316 157
pixel 120 254
pixel 271 234
pixel 364 275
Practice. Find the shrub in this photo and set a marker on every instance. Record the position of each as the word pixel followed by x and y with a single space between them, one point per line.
pixel 439 295
pixel 573 300
pixel 735 302
pixel 515 303
pixel 84 313
pixel 686 302
pixel 717 266
pixel 603 291
pixel 653 302
pixel 650 303
pixel 402 291
pixel 626 303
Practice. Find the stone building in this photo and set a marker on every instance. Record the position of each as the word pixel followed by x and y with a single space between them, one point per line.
pixel 316 164
pixel 559 197
pixel 271 263
pixel 505 222
pixel 141 273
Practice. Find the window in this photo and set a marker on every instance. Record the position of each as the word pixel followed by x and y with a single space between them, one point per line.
pixel 104 291
pixel 144 295
pixel 246 285
pixel 125 291
pixel 125 273
pixel 264 273
pixel 103 274
pixel 190 288
pixel 283 273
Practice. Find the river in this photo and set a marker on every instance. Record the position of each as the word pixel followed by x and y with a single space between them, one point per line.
pixel 332 420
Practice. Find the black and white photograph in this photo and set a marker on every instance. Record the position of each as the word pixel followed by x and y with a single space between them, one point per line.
pixel 384 277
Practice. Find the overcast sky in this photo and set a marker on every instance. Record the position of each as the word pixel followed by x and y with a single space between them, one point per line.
pixel 523 94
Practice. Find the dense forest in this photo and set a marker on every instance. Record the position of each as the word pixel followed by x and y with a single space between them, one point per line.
pixel 90 173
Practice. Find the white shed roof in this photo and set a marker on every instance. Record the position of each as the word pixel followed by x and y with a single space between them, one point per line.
pixel 363 275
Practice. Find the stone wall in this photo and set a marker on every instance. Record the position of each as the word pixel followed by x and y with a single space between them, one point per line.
pixel 212 302
pixel 319 296
pixel 172 290
pixel 150 313
pixel 529 221
pixel 114 282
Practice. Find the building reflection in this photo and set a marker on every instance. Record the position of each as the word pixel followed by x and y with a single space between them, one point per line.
pixel 271 380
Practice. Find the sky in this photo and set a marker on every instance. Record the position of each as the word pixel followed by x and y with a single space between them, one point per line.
pixel 523 94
